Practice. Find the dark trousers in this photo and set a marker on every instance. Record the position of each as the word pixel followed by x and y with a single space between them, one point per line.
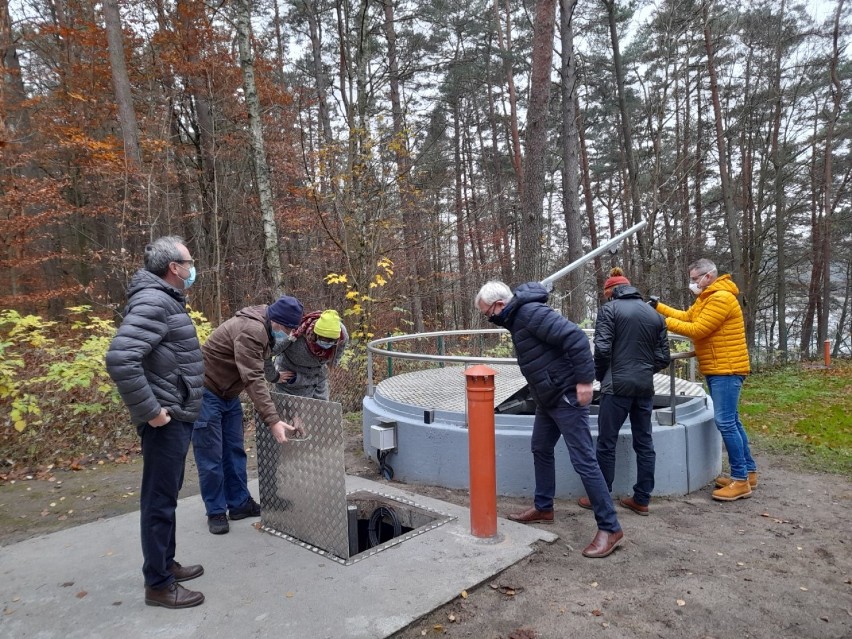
pixel 218 443
pixel 570 421
pixel 614 410
pixel 163 458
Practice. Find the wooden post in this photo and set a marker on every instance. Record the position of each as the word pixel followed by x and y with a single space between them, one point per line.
pixel 826 352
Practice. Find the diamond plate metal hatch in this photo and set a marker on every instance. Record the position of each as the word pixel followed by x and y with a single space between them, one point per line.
pixel 303 487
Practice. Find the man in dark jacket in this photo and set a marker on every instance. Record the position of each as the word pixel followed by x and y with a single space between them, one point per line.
pixel 234 357
pixel 556 360
pixel 155 361
pixel 631 344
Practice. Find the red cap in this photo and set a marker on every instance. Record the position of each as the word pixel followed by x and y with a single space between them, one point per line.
pixel 615 280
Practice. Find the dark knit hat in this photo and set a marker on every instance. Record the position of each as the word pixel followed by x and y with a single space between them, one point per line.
pixel 616 278
pixel 287 311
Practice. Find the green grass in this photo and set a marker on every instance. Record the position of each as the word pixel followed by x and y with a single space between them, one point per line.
pixel 803 411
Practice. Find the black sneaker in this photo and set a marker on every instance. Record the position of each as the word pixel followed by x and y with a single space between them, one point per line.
pixel 218 524
pixel 249 509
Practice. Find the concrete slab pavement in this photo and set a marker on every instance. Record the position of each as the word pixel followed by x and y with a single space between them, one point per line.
pixel 87 582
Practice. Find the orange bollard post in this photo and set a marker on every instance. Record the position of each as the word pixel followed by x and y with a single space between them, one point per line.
pixel 481 451
pixel 826 352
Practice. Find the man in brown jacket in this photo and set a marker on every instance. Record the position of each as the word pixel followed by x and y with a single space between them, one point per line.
pixel 234 356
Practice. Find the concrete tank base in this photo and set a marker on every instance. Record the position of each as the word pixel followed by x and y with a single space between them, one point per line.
pixel 428 411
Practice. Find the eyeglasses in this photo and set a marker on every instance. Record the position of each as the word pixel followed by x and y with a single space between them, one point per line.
pixel 490 310
pixel 190 262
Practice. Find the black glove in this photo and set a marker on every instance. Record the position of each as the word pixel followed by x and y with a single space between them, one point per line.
pixel 652 301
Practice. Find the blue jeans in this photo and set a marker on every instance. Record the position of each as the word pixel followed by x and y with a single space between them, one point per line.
pixel 220 454
pixel 163 460
pixel 614 410
pixel 725 392
pixel 571 422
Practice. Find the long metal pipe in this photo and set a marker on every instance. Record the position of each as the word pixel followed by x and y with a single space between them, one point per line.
pixel 593 254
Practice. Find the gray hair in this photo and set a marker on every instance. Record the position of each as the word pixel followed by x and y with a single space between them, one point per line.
pixel 493 291
pixel 162 252
pixel 703 265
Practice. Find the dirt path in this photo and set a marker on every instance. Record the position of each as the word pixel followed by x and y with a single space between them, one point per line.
pixel 776 565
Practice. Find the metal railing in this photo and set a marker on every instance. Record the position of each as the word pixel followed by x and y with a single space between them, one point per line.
pixel 374 348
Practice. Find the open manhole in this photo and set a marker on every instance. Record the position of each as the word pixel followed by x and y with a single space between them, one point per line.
pixel 303 490
pixel 375 522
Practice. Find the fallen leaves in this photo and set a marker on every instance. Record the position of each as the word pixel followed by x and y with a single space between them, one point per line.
pixel 509 591
pixel 775 519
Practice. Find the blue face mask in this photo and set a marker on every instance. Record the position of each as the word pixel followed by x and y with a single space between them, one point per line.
pixel 189 281
pixel 326 344
pixel 279 336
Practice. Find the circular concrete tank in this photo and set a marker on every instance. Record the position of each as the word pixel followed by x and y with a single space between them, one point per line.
pixel 425 412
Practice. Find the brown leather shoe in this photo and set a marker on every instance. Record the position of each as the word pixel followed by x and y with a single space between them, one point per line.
pixel 533 516
pixel 185 573
pixel 628 503
pixel 603 544
pixel 173 596
pixel 584 502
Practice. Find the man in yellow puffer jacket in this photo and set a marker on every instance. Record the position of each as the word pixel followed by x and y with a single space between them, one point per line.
pixel 715 325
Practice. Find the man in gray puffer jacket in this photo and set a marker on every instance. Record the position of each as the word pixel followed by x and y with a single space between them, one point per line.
pixel 155 361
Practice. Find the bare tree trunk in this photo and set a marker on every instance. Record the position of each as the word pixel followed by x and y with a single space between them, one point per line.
pixel 121 86
pixel 731 216
pixel 779 199
pixel 14 117
pixel 280 45
pixel 272 259
pixel 816 269
pixel 587 194
pixel 212 229
pixel 506 50
pixel 409 217
pixel 459 213
pixel 842 333
pixel 571 162
pixel 502 243
pixel 535 152
pixel 627 140
pixel 828 205
pixel 698 241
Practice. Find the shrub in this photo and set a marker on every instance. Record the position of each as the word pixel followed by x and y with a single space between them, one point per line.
pixel 56 398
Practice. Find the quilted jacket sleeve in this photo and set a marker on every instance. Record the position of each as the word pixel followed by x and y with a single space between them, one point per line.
pixel 662 356
pixel 604 335
pixel 143 328
pixel 670 311
pixel 551 328
pixel 708 321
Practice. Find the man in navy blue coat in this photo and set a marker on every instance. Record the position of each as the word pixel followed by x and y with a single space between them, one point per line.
pixel 555 358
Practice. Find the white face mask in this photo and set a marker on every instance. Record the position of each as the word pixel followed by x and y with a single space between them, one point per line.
pixel 695 287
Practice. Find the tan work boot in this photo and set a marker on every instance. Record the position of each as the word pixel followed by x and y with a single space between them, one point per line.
pixel 737 489
pixel 722 481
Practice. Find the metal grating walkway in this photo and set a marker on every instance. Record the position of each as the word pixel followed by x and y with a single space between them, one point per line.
pixel 444 388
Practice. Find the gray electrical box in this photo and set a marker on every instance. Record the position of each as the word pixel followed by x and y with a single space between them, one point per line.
pixel 383 436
